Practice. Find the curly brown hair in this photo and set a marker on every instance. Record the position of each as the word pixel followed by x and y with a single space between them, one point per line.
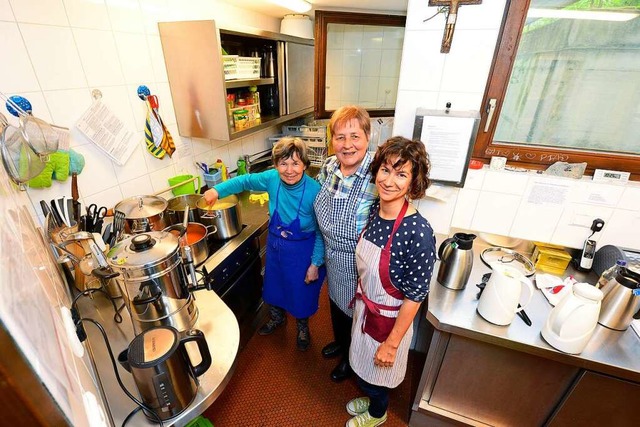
pixel 286 147
pixel 405 150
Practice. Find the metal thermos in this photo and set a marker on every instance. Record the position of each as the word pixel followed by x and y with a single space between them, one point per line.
pixel 621 301
pixel 456 261
pixel 268 62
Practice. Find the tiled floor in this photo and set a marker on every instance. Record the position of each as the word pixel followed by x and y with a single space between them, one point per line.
pixel 276 385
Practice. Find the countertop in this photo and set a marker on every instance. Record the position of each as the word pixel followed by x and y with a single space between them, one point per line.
pixel 215 320
pixel 610 352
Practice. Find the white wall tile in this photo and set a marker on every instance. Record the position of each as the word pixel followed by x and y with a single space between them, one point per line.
pixel 54 56
pixel 125 15
pixel 470 50
pixel 536 222
pixel 20 75
pixel 597 194
pixel 49 12
pixel 393 38
pixel 98 174
pixel 390 62
pixel 372 36
pixel 335 36
pixel 438 213
pixel 160 178
pixel 136 187
pixel 622 229
pixel 475 178
pixel 352 36
pixel 505 182
pixel 6 14
pixel 135 166
pixel 461 101
pixel 118 99
pixel 163 92
pixel 108 197
pixel 368 89
pixel 67 105
pixel 630 199
pixel 387 92
pixel 87 14
pixel 418 14
pixel 350 90
pixel 157 59
pixel 421 70
pixel 408 101
pixel 351 62
pixel 495 212
pixel 334 64
pixel 99 57
pixel 154 164
pixel 134 57
pixel 200 146
pixel 465 208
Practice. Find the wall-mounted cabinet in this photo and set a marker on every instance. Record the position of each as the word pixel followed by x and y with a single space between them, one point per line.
pixel 210 105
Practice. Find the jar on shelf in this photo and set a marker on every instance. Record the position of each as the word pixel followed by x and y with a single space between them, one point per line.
pixel 241 119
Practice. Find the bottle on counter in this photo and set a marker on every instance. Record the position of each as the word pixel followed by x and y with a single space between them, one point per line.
pixel 610 273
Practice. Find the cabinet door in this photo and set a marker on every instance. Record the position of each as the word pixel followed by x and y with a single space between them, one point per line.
pixel 299 75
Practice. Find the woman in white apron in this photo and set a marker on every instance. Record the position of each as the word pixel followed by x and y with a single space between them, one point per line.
pixel 342 208
pixel 395 257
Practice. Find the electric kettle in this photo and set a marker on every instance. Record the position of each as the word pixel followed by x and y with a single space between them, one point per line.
pixel 456 260
pixel 571 323
pixel 499 301
pixel 621 301
pixel 162 370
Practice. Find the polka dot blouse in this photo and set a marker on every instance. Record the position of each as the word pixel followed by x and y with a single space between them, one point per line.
pixel 413 252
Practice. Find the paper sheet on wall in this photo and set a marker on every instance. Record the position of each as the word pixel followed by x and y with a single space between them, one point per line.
pixel 102 127
pixel 547 192
pixel 448 137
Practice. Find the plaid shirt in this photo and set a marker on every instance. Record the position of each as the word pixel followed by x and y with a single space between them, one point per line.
pixel 340 186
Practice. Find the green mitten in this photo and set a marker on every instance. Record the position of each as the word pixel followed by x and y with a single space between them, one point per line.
pixel 56 168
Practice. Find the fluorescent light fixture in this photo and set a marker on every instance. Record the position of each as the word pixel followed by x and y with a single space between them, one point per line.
pixel 595 15
pixel 299 6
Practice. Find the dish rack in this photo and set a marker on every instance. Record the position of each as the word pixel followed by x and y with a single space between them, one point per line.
pixel 314 137
pixel 240 67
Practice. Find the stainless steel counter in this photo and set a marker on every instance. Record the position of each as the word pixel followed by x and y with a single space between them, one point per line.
pixel 222 334
pixel 611 352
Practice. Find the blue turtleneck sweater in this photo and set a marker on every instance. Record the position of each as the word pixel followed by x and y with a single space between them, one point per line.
pixel 288 201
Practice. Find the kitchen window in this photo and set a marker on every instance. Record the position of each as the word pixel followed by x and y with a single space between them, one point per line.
pixel 564 86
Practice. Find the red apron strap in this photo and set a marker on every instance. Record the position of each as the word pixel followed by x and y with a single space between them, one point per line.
pixel 385 258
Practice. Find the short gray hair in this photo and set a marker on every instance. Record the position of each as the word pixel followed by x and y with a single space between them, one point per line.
pixel 287 146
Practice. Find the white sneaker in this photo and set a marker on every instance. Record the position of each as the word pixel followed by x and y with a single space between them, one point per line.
pixel 358 406
pixel 366 420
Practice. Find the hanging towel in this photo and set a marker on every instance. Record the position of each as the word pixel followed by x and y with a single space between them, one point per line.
pixel 151 134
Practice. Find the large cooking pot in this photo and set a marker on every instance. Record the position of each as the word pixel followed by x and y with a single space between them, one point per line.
pixel 143 213
pixel 224 215
pixel 177 205
pixel 162 369
pixel 153 280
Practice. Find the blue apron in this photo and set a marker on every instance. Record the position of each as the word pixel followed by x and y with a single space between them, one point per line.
pixel 288 257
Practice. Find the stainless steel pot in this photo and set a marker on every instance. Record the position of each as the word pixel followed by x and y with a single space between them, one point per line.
pixel 224 215
pixel 143 214
pixel 153 280
pixel 162 369
pixel 177 205
pixel 196 238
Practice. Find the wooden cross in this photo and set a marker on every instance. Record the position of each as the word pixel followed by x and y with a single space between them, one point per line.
pixel 452 16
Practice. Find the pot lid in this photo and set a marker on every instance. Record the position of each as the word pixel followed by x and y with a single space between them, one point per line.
pixel 152 346
pixel 142 250
pixel 141 206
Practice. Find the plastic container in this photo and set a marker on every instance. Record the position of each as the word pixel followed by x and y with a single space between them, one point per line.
pixel 551 260
pixel 213 177
pixel 191 187
pixel 610 273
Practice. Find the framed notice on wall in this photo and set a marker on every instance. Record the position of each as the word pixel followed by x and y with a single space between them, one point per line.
pixel 448 136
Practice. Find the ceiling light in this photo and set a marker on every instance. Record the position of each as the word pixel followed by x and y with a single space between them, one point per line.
pixel 581 14
pixel 299 6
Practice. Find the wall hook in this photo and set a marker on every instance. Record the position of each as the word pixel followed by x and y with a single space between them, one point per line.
pixel 96 94
pixel 143 92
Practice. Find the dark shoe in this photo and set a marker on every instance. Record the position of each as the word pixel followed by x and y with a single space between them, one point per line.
pixel 269 327
pixel 303 340
pixel 331 350
pixel 341 372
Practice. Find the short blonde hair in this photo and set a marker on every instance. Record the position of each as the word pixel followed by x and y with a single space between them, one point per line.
pixel 286 147
pixel 345 114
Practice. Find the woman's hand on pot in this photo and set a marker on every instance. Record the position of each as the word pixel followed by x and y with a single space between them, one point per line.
pixel 312 274
pixel 211 196
pixel 385 355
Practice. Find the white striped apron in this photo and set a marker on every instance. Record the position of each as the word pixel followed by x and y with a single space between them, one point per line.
pixel 363 346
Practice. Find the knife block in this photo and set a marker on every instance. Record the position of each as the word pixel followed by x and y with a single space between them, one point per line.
pixel 59 235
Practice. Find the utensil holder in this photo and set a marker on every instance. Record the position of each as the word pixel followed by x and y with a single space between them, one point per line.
pixel 59 235
pixel 213 177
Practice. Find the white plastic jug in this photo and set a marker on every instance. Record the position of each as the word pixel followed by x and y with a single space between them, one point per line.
pixel 499 301
pixel 571 323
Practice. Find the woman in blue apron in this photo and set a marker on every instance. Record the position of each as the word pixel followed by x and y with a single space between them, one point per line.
pixel 395 257
pixel 294 269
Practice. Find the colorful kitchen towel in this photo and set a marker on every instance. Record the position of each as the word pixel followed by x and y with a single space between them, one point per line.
pixel 157 137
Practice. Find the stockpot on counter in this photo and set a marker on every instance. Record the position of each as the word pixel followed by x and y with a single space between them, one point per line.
pixel 177 205
pixel 153 280
pixel 143 213
pixel 224 215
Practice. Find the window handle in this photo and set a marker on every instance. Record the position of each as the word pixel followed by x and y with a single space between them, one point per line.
pixel 490 110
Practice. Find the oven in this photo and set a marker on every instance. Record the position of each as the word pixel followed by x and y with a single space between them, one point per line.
pixel 234 272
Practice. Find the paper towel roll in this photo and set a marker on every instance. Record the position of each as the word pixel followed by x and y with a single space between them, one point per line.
pixel 297 25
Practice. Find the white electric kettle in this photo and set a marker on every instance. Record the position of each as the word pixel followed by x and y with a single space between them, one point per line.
pixel 572 322
pixel 499 301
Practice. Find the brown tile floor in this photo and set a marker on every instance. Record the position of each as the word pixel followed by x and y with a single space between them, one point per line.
pixel 274 384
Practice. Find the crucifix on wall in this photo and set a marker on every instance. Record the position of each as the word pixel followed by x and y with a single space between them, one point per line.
pixel 452 15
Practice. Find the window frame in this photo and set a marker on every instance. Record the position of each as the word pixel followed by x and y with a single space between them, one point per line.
pixel 529 156
pixel 322 19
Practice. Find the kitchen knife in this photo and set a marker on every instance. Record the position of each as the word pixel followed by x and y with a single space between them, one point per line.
pixel 56 214
pixel 45 208
pixel 75 196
